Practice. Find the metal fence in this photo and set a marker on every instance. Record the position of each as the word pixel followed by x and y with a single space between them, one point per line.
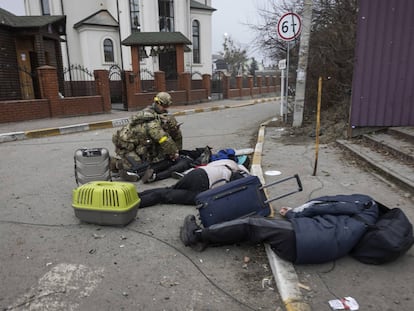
pixel 79 81
pixel 116 84
pixel 147 80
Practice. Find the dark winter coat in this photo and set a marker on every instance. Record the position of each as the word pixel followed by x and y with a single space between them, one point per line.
pixel 325 228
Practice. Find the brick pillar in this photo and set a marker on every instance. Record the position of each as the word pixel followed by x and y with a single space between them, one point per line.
pixel 226 86
pixel 184 83
pixel 130 88
pixel 135 58
pixel 159 81
pixel 102 88
pixel 179 52
pixel 259 83
pixel 49 89
pixel 239 84
pixel 39 46
pixel 250 83
pixel 206 84
pixel 275 82
pixel 267 83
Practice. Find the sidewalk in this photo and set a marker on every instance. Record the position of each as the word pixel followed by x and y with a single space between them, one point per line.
pixel 58 126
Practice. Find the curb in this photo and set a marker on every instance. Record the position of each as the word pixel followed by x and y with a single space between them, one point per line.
pixel 283 271
pixel 13 136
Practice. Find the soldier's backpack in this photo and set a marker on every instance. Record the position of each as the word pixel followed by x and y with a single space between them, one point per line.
pixel 390 237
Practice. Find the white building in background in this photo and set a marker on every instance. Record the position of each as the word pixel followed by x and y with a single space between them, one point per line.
pixel 95 30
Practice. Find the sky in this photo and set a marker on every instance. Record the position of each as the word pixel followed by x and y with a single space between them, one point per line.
pixel 14 6
pixel 230 18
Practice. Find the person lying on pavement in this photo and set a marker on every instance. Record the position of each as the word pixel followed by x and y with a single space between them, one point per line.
pixel 321 230
pixel 200 179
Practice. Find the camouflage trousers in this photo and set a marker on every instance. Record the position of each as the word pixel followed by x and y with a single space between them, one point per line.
pixel 125 160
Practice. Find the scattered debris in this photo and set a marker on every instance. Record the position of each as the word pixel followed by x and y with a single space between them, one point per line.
pixel 303 286
pixel 98 236
pixel 246 259
pixel 267 282
pixel 346 303
pixel 167 282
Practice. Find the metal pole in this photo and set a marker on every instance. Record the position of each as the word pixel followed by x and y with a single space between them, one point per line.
pixel 318 124
pixel 282 91
pixel 287 70
pixel 287 80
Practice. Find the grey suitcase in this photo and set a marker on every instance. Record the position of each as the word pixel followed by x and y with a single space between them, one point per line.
pixel 92 164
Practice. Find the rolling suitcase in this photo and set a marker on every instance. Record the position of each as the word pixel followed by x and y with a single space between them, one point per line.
pixel 92 164
pixel 239 198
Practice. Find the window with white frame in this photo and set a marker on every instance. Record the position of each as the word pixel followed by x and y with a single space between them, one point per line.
pixel 108 48
pixel 45 7
pixel 166 15
pixel 196 42
pixel 134 15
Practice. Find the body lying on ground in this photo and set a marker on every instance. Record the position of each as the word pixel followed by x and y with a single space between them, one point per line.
pixel 197 180
pixel 321 230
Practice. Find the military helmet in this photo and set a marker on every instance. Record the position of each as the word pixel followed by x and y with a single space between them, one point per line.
pixel 163 98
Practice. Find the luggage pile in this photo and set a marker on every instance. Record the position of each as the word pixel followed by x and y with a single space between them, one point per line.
pixel 98 199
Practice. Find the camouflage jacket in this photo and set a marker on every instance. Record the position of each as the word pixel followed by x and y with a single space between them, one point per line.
pixel 149 132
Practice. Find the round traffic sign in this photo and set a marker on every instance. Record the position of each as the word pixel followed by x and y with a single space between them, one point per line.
pixel 289 26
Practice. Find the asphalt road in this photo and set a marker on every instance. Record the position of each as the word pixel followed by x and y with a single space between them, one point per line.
pixel 52 261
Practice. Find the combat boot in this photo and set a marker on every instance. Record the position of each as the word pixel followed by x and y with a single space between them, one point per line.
pixel 125 174
pixel 128 176
pixel 149 176
pixel 113 165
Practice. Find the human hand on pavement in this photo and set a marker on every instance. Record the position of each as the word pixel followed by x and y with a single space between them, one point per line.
pixel 284 210
pixel 175 156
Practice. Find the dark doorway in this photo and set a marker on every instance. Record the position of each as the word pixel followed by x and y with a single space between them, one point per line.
pixel 117 88
pixel 217 85
pixel 168 64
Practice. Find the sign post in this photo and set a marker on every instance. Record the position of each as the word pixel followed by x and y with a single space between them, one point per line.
pixel 282 67
pixel 288 29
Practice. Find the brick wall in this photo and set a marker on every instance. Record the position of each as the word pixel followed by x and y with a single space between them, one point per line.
pixel 85 105
pixel 51 105
pixel 22 110
pixel 198 96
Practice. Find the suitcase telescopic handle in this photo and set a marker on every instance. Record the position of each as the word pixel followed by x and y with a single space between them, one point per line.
pixel 298 181
pixel 300 188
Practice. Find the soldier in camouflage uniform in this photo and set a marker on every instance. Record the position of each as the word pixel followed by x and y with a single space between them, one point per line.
pixel 150 137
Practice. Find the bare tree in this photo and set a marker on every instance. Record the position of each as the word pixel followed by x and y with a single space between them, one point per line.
pixel 331 50
pixel 234 56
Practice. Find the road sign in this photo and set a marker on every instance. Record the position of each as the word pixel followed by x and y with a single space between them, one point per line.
pixel 282 64
pixel 289 26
